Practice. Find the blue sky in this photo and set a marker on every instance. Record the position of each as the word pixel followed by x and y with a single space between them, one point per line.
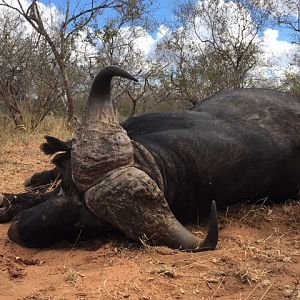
pixel 163 9
pixel 166 7
pixel 164 13
pixel 284 34
pixel 276 46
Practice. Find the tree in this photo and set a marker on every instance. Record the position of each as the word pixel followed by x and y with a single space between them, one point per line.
pixel 71 21
pixel 28 74
pixel 215 47
pixel 287 15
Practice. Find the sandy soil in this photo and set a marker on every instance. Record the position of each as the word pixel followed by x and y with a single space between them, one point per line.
pixel 258 256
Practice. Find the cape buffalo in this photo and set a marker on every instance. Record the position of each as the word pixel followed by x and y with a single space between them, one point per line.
pixel 153 172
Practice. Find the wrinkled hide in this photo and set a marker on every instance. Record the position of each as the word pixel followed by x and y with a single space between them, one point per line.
pixel 244 149
pixel 98 151
pixel 101 144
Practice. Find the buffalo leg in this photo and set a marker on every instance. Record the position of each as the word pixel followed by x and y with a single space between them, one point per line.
pixel 42 179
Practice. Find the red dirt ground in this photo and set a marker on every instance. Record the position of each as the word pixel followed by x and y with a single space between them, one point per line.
pixel 258 256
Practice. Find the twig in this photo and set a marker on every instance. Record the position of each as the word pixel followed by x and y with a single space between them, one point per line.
pixel 265 293
pixel 217 289
pixel 252 292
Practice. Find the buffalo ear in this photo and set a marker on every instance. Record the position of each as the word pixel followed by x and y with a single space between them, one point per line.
pixel 46 149
pixel 54 145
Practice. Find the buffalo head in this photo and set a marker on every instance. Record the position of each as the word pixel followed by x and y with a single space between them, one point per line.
pixel 114 188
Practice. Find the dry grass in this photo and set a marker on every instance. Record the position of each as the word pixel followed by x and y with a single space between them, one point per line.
pixel 249 273
pixel 72 276
pixel 165 270
pixel 258 255
pixel 51 125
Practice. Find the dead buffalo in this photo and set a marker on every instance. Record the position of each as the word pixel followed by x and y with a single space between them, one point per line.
pixel 157 170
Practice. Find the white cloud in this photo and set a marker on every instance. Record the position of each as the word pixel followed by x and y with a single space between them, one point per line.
pixel 277 55
pixel 163 31
pixel 275 48
pixel 147 43
pixel 144 41
pixel 84 50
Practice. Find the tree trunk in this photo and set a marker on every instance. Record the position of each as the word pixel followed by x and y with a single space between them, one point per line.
pixel 67 90
pixel 133 109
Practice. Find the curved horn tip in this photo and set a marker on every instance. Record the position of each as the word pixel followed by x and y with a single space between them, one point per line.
pixel 211 240
pixel 113 70
pixel 213 232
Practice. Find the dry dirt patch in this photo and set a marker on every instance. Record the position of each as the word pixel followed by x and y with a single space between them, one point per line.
pixel 258 256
